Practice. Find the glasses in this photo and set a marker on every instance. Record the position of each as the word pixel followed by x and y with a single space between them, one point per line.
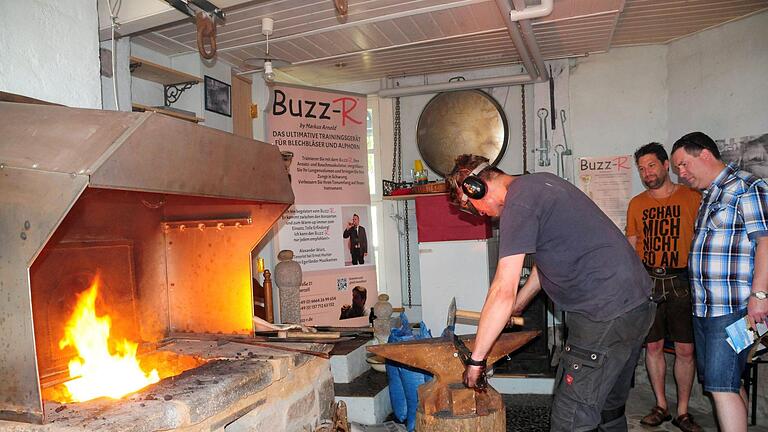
pixel 466 206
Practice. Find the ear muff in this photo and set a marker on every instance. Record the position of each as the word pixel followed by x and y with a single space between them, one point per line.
pixel 473 186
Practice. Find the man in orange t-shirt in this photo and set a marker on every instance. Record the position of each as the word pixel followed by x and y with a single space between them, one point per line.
pixel 660 224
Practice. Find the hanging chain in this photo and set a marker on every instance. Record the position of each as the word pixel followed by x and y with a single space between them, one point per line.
pixel 397 157
pixel 407 254
pixel 397 177
pixel 525 136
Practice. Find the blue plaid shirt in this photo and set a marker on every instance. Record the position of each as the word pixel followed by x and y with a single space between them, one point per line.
pixel 732 216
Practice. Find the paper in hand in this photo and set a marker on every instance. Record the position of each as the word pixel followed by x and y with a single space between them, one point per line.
pixel 740 337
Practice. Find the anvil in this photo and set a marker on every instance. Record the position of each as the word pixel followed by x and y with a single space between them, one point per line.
pixel 445 397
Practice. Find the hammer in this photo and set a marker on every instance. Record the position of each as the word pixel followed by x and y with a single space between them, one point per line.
pixel 473 316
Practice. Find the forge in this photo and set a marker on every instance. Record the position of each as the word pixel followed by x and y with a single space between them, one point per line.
pixel 163 216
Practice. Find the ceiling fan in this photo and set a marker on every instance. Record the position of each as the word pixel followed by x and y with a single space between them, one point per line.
pixel 266 63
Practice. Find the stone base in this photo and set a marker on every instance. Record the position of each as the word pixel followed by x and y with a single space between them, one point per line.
pixel 367 398
pixel 348 360
pixel 247 388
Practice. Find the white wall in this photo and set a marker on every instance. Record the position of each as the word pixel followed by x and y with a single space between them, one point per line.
pixel 222 72
pixel 193 99
pixel 718 81
pixel 619 102
pixel 50 51
pixel 121 76
pixel 147 92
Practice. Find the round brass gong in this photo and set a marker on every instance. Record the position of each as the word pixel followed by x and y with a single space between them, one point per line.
pixel 454 123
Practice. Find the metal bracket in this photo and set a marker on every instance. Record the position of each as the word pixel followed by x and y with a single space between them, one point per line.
pixel 204 5
pixel 173 91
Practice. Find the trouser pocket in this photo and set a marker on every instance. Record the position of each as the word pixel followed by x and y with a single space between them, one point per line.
pixel 581 372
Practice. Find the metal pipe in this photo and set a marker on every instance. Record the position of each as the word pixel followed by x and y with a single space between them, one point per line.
pixel 517 40
pixel 458 85
pixel 526 13
pixel 530 41
pixel 527 50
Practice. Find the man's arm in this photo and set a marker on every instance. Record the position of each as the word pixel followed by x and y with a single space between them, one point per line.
pixel 496 311
pixel 758 309
pixel 363 238
pixel 498 304
pixel 527 292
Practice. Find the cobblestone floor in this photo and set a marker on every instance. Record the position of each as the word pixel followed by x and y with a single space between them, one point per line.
pixel 530 413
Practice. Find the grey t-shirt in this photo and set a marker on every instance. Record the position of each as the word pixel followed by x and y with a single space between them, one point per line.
pixel 585 262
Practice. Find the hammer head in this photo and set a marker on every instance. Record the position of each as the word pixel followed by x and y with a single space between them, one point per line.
pixel 450 322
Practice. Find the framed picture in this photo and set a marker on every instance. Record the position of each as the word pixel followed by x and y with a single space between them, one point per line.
pixel 218 96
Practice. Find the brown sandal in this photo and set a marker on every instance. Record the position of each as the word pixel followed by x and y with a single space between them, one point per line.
pixel 686 424
pixel 657 416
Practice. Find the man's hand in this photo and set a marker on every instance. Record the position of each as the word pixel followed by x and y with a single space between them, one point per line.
pixel 757 309
pixel 474 377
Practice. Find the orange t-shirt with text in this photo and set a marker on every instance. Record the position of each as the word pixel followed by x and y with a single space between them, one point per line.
pixel 663 227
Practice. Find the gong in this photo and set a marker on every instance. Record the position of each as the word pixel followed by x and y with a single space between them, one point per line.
pixel 454 123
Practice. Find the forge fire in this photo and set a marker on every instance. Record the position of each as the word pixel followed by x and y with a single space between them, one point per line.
pixel 105 366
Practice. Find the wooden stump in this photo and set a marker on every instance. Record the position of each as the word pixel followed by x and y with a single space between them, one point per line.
pixel 495 421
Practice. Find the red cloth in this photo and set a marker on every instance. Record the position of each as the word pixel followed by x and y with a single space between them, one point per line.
pixel 438 220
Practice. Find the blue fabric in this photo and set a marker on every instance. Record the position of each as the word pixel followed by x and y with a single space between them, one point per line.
pixel 404 381
pixel 732 216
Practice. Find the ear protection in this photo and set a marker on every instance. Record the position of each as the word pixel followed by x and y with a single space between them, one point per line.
pixel 473 186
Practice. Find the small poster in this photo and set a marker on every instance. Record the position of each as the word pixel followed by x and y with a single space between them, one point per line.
pixel 608 182
pixel 750 153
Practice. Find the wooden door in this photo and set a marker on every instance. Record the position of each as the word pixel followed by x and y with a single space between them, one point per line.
pixel 242 123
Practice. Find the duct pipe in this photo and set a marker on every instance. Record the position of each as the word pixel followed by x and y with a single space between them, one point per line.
pixel 526 13
pixel 458 85
pixel 517 40
pixel 530 41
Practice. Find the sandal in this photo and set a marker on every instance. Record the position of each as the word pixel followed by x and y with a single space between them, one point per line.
pixel 686 424
pixel 658 416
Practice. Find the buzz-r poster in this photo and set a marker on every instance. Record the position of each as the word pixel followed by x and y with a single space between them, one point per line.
pixel 322 137
pixel 608 182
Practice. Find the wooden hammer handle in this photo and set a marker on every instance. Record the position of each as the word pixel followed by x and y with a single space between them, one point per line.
pixel 518 321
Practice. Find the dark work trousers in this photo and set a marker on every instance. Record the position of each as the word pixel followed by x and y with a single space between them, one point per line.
pixel 595 372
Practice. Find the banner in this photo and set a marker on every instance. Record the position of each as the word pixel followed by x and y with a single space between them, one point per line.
pixel 608 182
pixel 322 136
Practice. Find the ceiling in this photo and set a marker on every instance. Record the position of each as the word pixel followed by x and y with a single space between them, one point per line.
pixel 395 38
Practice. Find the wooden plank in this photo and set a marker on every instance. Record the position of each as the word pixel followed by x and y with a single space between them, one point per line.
pixel 141 108
pixel 17 98
pixel 159 73
pixel 411 196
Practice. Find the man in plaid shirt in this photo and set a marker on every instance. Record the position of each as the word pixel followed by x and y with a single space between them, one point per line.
pixel 728 267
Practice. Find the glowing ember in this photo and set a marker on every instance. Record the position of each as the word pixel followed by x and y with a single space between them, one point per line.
pixel 95 370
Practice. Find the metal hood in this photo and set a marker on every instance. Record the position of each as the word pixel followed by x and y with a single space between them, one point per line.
pixel 140 151
pixel 50 155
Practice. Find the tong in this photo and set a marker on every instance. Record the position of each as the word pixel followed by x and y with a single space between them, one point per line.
pixel 464 355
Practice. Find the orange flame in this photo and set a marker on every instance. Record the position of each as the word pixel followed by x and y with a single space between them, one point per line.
pixel 95 370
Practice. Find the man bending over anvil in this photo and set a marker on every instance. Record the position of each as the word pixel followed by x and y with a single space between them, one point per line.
pixel 584 264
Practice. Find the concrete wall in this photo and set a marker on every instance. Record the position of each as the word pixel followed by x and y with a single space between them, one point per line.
pixel 121 76
pixel 619 102
pixel 50 51
pixel 717 81
pixel 193 99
